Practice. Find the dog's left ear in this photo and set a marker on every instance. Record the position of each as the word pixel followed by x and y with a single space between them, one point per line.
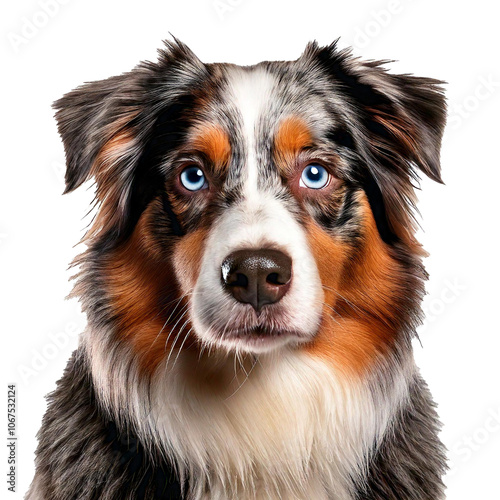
pixel 397 129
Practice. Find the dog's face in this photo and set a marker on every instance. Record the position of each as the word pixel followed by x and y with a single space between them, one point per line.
pixel 252 208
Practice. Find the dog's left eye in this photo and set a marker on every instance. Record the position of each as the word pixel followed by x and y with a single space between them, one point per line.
pixel 314 176
pixel 193 178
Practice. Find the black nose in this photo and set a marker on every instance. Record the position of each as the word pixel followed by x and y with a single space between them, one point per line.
pixel 257 277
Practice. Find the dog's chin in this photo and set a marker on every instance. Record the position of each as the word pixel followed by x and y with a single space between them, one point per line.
pixel 256 340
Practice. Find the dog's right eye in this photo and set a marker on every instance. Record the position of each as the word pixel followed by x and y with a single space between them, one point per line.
pixel 193 178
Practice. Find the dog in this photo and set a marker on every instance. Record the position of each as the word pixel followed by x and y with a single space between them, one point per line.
pixel 252 283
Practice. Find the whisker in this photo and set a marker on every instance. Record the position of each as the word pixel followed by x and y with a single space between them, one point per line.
pixel 246 378
pixel 180 348
pixel 173 328
pixel 175 341
pixel 168 319
pixel 354 306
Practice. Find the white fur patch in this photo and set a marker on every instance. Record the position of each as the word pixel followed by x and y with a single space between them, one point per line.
pixel 258 221
pixel 287 426
pixel 251 90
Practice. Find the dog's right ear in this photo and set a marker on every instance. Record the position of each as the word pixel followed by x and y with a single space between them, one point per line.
pixel 99 125
pixel 89 117
pixel 105 126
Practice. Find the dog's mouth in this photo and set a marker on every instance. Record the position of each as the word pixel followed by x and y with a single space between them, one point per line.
pixel 259 338
pixel 257 332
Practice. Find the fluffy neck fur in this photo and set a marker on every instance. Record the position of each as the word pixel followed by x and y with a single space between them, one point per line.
pixel 281 426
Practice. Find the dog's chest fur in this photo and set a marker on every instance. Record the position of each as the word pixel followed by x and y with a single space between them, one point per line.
pixel 278 427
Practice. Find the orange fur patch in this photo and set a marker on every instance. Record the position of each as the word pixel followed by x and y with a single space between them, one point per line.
pixel 144 294
pixel 187 256
pixel 292 136
pixel 214 142
pixel 360 296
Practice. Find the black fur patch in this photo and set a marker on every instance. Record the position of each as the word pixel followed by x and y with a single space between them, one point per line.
pixel 343 138
pixel 377 205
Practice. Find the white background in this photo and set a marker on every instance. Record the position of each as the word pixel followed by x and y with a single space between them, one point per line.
pixel 87 40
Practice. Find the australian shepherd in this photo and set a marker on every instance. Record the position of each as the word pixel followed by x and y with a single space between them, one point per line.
pixel 252 284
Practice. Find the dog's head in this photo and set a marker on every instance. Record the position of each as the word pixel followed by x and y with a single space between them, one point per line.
pixel 252 208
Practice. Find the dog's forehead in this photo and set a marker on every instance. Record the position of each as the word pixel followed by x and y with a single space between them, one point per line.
pixel 265 95
pixel 258 110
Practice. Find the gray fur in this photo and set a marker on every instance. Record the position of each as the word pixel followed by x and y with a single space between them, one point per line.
pixel 411 460
pixel 82 454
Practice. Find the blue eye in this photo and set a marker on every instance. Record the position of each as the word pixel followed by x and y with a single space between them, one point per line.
pixel 314 176
pixel 193 178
